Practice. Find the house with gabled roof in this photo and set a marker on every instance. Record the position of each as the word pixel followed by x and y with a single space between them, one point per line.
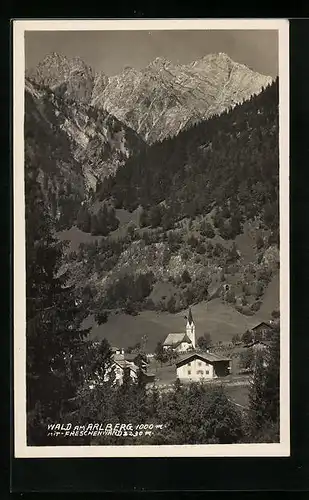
pixel 262 330
pixel 199 366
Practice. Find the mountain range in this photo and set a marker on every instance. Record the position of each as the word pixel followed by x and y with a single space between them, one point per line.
pixel 159 100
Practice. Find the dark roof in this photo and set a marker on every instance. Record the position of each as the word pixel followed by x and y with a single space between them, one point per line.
pixel 267 343
pixel 205 356
pixel 126 364
pixel 262 323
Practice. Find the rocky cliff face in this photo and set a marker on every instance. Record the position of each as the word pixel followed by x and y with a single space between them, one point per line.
pixel 72 146
pixel 159 100
pixel 95 139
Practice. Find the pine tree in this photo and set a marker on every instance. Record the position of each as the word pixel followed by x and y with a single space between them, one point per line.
pixel 83 220
pixel 53 331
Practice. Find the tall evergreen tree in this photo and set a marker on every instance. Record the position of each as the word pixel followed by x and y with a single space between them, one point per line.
pixel 53 321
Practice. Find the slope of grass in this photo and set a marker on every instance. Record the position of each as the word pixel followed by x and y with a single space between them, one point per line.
pixel 271 298
pixel 220 320
pixel 75 237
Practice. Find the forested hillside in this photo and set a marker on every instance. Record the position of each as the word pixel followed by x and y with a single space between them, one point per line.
pixel 208 218
pixel 229 163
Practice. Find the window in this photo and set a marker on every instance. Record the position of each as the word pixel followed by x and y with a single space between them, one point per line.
pixel 199 363
pixel 200 372
pixel 189 364
pixel 189 372
pixel 207 372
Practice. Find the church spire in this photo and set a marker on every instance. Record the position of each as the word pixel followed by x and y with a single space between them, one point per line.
pixel 190 317
pixel 190 330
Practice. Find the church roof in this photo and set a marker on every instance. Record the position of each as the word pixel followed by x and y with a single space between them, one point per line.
pixel 174 339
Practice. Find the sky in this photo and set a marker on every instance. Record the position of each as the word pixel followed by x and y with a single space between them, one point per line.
pixel 111 51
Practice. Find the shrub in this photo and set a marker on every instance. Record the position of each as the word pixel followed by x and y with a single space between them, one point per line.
pixel 184 255
pixel 256 306
pixel 186 278
pixel 193 241
pixel 207 230
pixel 259 242
pixel 230 297
pixel 101 317
pixel 275 314
pixel 171 304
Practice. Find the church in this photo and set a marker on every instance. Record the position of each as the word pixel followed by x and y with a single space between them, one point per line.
pixel 182 342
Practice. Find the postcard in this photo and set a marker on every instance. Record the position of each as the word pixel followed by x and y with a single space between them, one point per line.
pixel 151 238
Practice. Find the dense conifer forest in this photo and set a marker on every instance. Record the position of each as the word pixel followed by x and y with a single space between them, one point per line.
pixel 229 162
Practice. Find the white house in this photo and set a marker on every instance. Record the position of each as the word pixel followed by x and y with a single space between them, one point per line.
pixel 182 342
pixel 121 366
pixel 196 367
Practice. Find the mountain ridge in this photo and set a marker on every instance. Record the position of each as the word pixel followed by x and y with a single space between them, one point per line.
pixel 160 99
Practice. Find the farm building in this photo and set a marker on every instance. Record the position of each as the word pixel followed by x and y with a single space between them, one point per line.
pixel 262 331
pixel 199 366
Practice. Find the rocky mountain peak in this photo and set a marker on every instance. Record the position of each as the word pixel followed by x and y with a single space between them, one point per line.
pixel 72 76
pixel 164 97
pixel 158 63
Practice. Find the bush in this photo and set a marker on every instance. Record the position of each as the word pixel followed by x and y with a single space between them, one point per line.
pixel 247 337
pixel 235 339
pixel 246 359
pixel 259 243
pixel 207 230
pixel 130 309
pixel 186 278
pixel 205 341
pixel 184 255
pixel 101 317
pixel 256 306
pixel 275 314
pixel 218 250
pixel 155 216
pixel 230 297
pixel 171 305
pixel 200 248
pixel 232 254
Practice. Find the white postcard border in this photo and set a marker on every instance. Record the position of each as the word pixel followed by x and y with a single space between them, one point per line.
pixel 235 450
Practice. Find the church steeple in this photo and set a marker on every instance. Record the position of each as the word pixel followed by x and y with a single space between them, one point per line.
pixel 190 318
pixel 190 330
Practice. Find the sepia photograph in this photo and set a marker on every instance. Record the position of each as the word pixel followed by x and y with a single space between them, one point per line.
pixel 151 238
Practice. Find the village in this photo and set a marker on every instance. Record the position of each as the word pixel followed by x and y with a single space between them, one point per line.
pixel 184 357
